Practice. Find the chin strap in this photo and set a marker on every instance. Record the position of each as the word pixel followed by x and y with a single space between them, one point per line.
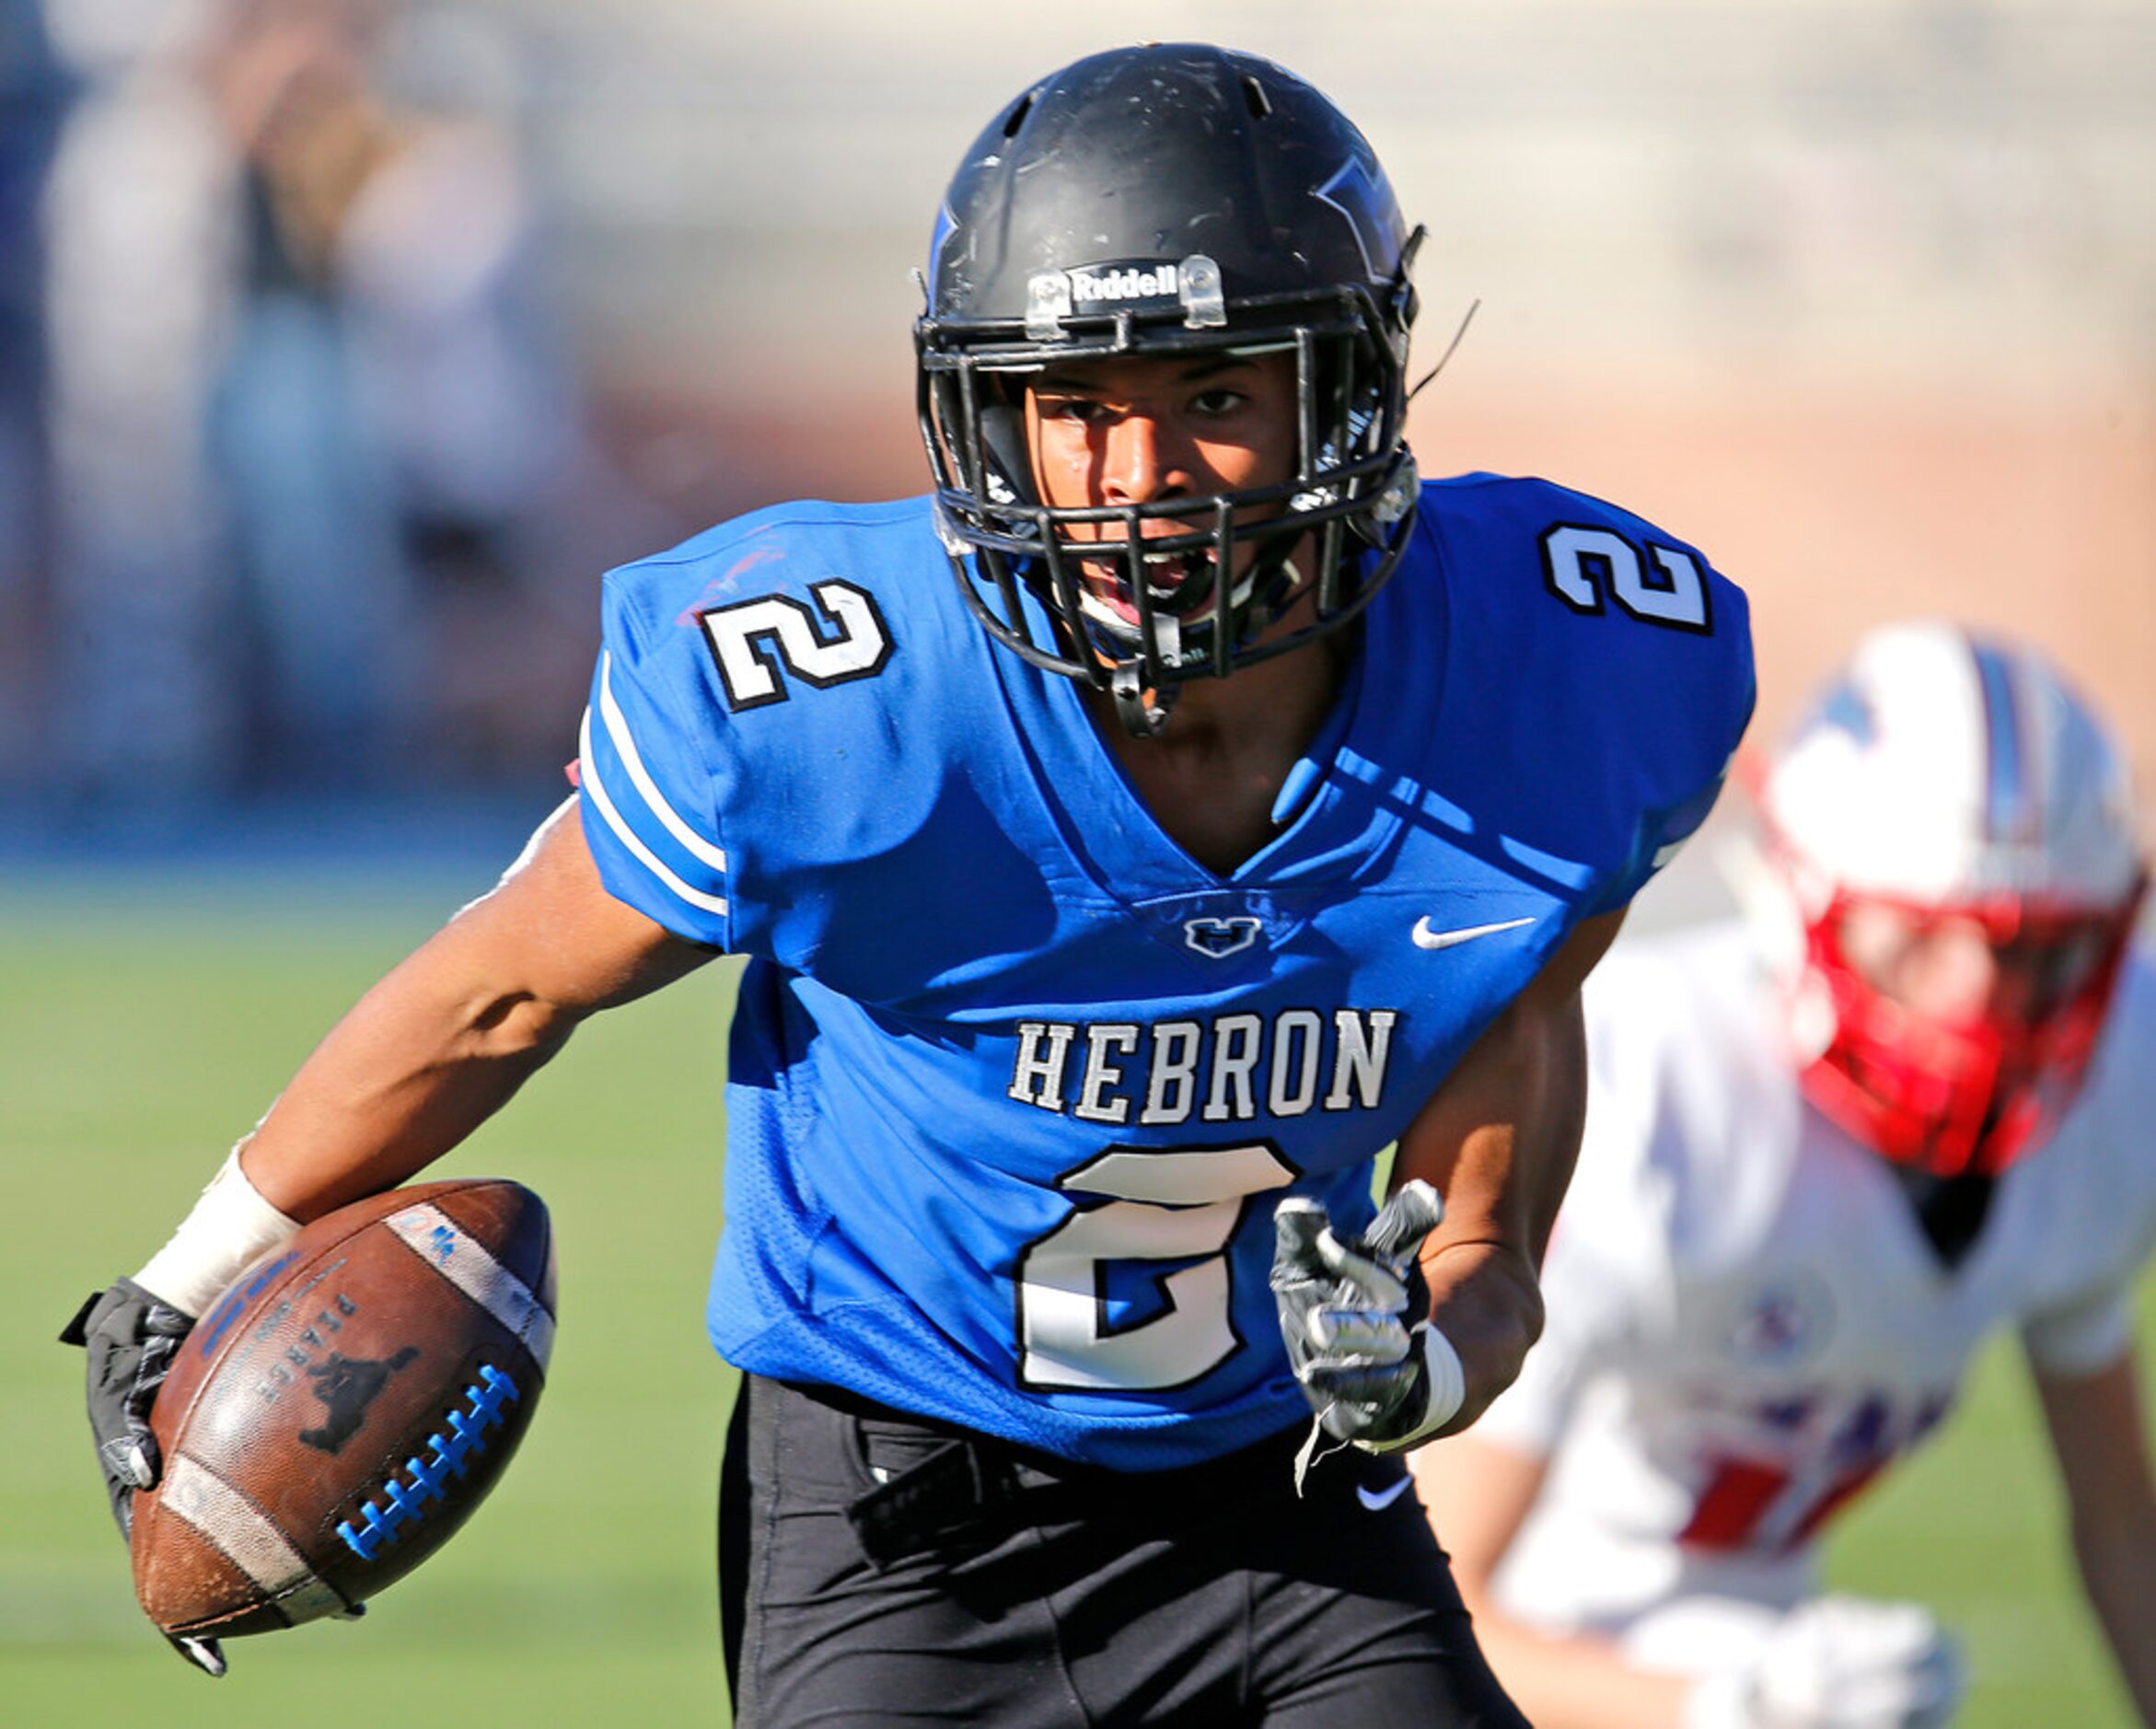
pixel 1143 713
pixel 1271 585
pixel 1274 583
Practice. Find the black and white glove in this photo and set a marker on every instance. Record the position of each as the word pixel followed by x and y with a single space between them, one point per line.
pixel 132 1337
pixel 1839 1662
pixel 1355 1315
pixel 132 1332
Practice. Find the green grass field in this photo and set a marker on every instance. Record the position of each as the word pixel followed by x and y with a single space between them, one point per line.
pixel 142 1027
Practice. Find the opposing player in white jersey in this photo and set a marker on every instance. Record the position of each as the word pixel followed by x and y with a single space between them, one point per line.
pixel 1826 1158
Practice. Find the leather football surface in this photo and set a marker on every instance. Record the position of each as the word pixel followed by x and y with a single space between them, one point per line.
pixel 339 1412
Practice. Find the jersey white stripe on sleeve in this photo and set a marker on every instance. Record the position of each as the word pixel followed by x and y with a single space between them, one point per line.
pixel 633 760
pixel 444 1245
pixel 603 802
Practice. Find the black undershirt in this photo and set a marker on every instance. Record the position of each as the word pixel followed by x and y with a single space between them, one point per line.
pixel 1951 1210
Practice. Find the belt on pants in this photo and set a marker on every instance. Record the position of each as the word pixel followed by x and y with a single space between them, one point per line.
pixel 966 1485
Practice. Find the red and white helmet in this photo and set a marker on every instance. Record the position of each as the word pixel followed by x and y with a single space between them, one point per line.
pixel 1947 783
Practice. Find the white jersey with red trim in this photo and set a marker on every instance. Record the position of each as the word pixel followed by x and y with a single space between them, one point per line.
pixel 1747 1322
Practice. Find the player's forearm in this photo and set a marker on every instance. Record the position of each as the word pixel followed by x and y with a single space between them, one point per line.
pixel 1499 1141
pixel 1479 1493
pixel 2118 1562
pixel 1577 1683
pixel 425 1057
pixel 2101 1442
pixel 447 1038
pixel 1486 1300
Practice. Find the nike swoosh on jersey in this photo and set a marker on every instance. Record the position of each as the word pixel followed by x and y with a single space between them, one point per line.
pixel 1427 938
pixel 1378 1499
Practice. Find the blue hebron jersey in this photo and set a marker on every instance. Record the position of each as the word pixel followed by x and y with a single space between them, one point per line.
pixel 1015 1085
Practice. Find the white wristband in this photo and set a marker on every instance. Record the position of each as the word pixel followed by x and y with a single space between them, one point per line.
pixel 1448 1392
pixel 229 1226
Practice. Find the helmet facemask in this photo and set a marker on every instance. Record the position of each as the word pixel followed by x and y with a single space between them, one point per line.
pixel 1334 530
pixel 1955 870
pixel 1955 1094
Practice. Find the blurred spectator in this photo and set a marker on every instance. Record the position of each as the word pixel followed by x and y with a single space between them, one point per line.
pixel 445 297
pixel 137 696
pixel 307 475
pixel 464 372
pixel 33 95
pixel 309 402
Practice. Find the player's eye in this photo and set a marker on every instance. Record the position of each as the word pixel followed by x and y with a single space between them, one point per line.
pixel 1217 401
pixel 1076 410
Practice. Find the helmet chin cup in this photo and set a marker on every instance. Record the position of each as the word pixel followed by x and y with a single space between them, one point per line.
pixel 1143 713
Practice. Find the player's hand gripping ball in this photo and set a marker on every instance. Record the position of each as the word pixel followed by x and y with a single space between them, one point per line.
pixel 1354 1313
pixel 132 1338
pixel 338 1413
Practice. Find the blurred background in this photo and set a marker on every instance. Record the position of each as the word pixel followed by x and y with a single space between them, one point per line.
pixel 343 344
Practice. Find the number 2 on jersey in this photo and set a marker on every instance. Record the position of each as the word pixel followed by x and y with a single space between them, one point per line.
pixel 1581 564
pixel 753 640
pixel 1177 1204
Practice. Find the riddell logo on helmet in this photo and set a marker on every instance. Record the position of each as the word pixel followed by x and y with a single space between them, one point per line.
pixel 1129 283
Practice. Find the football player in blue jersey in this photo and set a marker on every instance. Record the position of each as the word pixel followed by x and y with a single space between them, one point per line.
pixel 1128 841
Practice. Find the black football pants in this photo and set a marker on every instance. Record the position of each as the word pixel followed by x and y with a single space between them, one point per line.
pixel 879 1569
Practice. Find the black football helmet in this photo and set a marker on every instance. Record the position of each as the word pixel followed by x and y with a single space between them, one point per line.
pixel 1168 199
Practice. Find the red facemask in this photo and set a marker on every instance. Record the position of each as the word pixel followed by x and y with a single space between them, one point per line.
pixel 1964 1094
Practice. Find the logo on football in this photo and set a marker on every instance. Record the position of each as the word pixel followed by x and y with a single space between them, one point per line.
pixel 348 1386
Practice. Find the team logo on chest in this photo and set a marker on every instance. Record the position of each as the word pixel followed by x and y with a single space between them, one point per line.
pixel 1785 1321
pixel 1219 938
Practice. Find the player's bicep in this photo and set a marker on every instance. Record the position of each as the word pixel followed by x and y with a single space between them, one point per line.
pixel 553 928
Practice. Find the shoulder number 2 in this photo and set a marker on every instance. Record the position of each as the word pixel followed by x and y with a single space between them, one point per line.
pixel 753 639
pixel 1581 565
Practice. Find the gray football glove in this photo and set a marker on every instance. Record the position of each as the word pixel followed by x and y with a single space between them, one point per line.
pixel 1354 1313
pixel 132 1338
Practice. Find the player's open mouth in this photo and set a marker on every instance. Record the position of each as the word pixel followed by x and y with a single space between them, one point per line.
pixel 1165 574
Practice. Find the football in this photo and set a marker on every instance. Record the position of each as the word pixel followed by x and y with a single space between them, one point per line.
pixel 339 1411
